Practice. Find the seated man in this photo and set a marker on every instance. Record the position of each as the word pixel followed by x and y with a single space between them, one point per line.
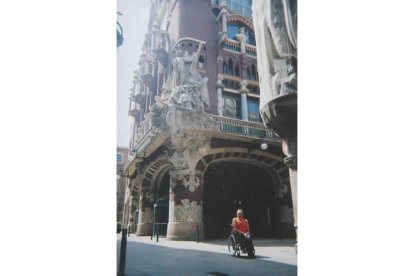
pixel 241 229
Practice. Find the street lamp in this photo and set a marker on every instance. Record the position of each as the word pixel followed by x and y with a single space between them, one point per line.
pixel 263 143
pixel 153 224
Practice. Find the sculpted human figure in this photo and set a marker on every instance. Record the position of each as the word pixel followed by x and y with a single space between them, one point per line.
pixel 242 37
pixel 178 69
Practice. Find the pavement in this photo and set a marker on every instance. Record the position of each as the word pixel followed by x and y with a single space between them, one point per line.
pixel 210 257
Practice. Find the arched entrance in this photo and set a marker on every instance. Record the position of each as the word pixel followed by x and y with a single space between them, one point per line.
pixel 162 202
pixel 229 185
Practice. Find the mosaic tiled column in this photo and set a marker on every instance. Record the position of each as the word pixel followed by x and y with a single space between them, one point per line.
pixel 243 94
pixel 146 214
pixel 220 94
pixel 185 212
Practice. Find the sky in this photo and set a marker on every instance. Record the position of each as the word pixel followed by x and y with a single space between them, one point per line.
pixel 134 21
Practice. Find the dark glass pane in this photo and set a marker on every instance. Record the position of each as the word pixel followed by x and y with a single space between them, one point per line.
pixel 231 106
pixel 253 110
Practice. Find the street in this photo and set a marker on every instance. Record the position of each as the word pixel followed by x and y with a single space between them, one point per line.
pixel 147 257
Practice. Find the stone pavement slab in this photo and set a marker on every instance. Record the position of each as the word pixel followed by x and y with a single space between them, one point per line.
pixel 147 257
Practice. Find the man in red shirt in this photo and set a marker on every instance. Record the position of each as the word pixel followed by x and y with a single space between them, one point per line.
pixel 241 229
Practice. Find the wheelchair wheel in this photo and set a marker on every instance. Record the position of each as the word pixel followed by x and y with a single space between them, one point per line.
pixel 251 253
pixel 232 246
pixel 250 250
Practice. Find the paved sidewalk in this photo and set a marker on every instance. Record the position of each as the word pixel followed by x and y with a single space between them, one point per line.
pixel 211 257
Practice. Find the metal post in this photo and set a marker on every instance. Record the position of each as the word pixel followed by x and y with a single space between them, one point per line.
pixel 157 232
pixel 198 237
pixel 122 256
pixel 154 221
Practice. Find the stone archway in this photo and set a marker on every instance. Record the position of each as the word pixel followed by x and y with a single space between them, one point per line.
pixel 229 185
pixel 255 181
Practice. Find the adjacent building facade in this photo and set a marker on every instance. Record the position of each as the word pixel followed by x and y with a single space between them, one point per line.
pixel 121 183
pixel 199 149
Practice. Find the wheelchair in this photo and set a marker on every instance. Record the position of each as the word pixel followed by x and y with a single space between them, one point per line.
pixel 236 247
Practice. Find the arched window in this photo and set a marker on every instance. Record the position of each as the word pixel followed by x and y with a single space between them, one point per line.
pixel 230 70
pixel 248 74
pixel 233 28
pixel 254 76
pixel 225 68
pixel 236 71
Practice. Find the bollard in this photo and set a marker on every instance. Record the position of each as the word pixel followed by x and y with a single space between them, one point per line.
pixel 157 233
pixel 122 256
pixel 198 237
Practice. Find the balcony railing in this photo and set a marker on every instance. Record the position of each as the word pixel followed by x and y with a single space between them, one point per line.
pixel 232 45
pixel 251 50
pixel 144 135
pixel 243 128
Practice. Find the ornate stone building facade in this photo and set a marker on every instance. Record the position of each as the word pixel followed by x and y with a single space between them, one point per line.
pixel 199 149
pixel 275 23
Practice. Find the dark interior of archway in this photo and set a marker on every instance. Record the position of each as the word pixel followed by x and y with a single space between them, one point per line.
pixel 161 213
pixel 231 185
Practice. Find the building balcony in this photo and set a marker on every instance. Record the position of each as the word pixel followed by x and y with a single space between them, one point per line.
pixel 232 45
pixel 149 138
pixel 243 128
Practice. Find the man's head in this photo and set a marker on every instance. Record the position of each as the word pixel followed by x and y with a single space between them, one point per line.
pixel 239 213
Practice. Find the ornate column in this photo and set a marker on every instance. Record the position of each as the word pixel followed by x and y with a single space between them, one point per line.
pixel 186 120
pixel 145 215
pixel 220 95
pixel 243 93
pixel 223 6
pixel 185 210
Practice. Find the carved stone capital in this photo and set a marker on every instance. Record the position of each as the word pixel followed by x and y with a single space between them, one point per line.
pixel 243 88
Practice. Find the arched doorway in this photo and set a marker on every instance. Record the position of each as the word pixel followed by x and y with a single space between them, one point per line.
pixel 162 202
pixel 229 185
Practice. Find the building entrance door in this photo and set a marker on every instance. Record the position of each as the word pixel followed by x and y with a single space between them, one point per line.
pixel 230 185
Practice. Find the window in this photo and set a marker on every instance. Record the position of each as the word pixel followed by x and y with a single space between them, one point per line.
pixel 234 28
pixel 240 6
pixel 253 110
pixel 250 37
pixel 119 157
pixel 231 106
pixel 230 70
pixel 254 74
pixel 236 71
pixel 225 68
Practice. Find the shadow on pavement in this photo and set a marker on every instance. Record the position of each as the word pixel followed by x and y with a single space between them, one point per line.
pixel 258 242
pixel 147 259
